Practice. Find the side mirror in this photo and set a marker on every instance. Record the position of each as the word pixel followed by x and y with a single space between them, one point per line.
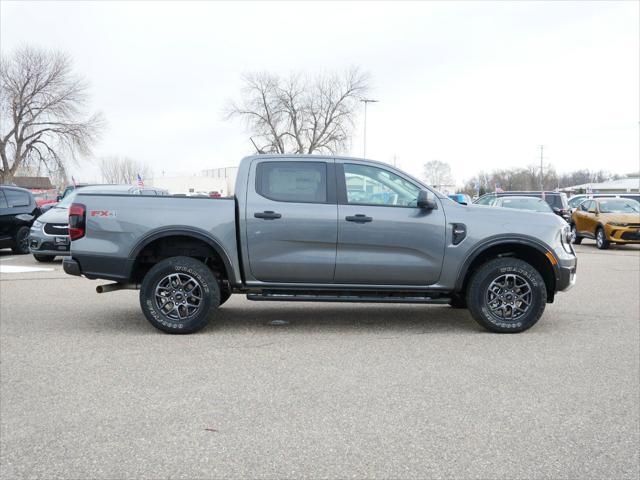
pixel 426 201
pixel 58 198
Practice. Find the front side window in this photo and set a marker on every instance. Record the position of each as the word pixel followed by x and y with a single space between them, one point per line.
pixel 298 182
pixel 367 185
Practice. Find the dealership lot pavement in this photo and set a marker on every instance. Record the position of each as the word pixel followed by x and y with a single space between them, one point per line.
pixel 90 390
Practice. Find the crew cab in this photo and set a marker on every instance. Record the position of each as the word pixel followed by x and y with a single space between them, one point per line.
pixel 325 229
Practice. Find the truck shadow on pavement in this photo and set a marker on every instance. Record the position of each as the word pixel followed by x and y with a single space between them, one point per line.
pixel 276 318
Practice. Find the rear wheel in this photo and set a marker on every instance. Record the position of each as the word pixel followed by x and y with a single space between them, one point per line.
pixel 178 294
pixel 601 239
pixel 44 258
pixel 575 238
pixel 21 245
pixel 506 295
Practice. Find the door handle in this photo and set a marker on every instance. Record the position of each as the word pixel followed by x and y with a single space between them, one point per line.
pixel 268 215
pixel 359 218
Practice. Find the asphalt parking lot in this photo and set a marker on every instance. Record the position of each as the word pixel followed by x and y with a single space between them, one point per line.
pixel 90 390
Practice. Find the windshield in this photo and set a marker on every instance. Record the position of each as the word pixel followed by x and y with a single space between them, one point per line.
pixel 577 200
pixel 619 206
pixel 68 200
pixel 535 204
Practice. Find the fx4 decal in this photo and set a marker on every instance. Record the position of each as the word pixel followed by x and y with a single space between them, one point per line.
pixel 102 213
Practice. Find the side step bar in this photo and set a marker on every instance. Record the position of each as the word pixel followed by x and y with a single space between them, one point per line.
pixel 271 296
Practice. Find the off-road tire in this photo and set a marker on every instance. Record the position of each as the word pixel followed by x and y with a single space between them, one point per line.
pixel 478 292
pixel 186 267
pixel 21 243
pixel 44 258
pixel 577 239
pixel 601 239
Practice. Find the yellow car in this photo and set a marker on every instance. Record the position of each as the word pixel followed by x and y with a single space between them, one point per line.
pixel 607 220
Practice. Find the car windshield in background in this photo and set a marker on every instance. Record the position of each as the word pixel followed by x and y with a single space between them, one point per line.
pixel 619 206
pixel 537 205
pixel 67 200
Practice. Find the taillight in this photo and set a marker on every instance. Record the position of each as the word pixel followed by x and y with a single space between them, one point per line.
pixel 77 220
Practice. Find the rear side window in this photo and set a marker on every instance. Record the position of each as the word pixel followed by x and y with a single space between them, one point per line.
pixel 3 201
pixel 299 182
pixel 16 198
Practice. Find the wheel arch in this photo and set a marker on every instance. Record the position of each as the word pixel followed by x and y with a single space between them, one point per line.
pixel 529 249
pixel 169 232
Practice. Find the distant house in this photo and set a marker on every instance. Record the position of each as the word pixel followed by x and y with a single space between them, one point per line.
pixel 623 185
pixel 33 183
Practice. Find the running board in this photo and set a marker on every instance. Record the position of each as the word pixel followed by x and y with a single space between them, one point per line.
pixel 271 296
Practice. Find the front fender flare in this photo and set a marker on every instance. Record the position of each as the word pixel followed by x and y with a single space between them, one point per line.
pixel 496 240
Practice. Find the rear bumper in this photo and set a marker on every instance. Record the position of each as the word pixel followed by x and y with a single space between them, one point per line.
pixel 71 267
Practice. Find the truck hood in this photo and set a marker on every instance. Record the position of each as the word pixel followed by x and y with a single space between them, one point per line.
pixel 55 215
pixel 490 221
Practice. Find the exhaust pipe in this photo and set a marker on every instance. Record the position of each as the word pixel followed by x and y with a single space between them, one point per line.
pixel 112 287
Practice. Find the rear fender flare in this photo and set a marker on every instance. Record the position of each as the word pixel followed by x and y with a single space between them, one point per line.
pixel 171 231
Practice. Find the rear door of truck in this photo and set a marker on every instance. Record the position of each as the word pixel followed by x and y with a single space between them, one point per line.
pixel 291 220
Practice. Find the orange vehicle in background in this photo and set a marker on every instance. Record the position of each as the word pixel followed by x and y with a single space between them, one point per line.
pixel 607 220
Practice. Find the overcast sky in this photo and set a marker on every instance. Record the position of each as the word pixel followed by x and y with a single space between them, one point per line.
pixel 476 84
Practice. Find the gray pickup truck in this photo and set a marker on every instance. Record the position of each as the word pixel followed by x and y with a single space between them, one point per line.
pixel 321 229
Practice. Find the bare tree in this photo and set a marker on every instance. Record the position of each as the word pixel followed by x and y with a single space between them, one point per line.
pixel 42 119
pixel 437 173
pixel 124 170
pixel 300 114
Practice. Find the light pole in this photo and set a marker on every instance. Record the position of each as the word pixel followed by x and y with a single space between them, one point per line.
pixel 366 100
pixel 541 170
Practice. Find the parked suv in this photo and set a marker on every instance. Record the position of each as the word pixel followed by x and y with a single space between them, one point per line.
pixel 18 210
pixel 607 220
pixel 49 236
pixel 556 200
pixel 578 199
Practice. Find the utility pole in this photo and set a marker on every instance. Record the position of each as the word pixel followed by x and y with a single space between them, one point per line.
pixel 541 168
pixel 366 100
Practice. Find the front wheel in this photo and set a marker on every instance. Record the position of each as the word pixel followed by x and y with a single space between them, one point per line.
pixel 178 294
pixel 21 245
pixel 506 295
pixel 601 239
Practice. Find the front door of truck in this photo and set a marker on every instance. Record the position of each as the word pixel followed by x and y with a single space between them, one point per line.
pixel 383 237
pixel 291 217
